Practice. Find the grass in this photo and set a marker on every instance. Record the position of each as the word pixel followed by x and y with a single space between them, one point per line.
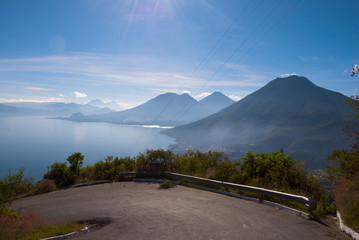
pixel 31 226
pixel 166 185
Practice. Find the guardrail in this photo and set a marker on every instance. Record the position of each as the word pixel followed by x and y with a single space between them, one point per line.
pixel 310 203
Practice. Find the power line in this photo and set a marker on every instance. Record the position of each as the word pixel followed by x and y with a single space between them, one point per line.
pixel 260 39
pixel 184 106
pixel 205 60
pixel 236 50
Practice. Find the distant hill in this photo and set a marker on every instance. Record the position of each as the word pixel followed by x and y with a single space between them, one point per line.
pixel 167 109
pixel 49 109
pixel 100 104
pixel 290 113
pixel 8 110
pixel 216 101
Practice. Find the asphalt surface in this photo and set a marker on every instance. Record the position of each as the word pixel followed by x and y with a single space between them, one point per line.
pixel 142 211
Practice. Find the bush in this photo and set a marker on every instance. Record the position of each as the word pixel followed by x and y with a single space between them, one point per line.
pixel 15 185
pixel 109 169
pixel 31 226
pixel 44 186
pixel 155 161
pixel 202 164
pixel 347 200
pixel 58 172
pixel 166 185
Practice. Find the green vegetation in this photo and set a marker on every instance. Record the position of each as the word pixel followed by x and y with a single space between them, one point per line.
pixel 76 160
pixel 344 172
pixel 18 185
pixel 30 226
pixel 275 170
pixel 167 185
pixel 14 225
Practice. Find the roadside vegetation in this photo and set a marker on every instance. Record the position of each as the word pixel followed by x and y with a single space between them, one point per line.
pixel 14 225
pixel 344 173
pixel 276 171
pixel 167 185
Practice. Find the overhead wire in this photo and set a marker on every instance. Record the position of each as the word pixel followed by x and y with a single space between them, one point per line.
pixel 205 60
pixel 235 51
pixel 187 102
pixel 260 39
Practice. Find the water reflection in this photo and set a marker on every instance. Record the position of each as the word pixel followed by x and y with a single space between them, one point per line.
pixel 35 142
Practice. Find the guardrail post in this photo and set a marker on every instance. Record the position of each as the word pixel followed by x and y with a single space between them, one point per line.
pixel 312 204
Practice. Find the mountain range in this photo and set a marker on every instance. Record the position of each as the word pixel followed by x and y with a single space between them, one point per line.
pixel 100 104
pixel 167 109
pixel 292 114
pixel 49 109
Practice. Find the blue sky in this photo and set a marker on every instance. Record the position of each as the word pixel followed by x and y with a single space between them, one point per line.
pixel 132 50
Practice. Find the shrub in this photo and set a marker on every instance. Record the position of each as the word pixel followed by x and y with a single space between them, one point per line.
pixel 347 200
pixel 15 185
pixel 44 186
pixel 108 169
pixel 155 161
pixel 31 226
pixel 58 172
pixel 166 185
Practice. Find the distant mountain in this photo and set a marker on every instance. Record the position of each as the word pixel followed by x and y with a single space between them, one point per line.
pixel 100 104
pixel 8 110
pixel 288 113
pixel 167 109
pixel 216 101
pixel 50 109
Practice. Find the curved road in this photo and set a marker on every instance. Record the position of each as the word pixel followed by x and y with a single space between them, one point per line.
pixel 142 211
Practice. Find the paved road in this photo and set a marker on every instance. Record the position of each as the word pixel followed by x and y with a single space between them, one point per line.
pixel 142 211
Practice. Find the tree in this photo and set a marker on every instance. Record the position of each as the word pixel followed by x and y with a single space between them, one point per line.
pixel 155 161
pixel 76 161
pixel 59 172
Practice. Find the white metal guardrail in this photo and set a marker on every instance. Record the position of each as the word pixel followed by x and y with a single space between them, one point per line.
pixel 310 203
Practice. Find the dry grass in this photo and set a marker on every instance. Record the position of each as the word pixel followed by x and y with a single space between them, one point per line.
pixel 31 226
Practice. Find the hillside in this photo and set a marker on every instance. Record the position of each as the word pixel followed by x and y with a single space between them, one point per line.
pixel 291 113
pixel 216 101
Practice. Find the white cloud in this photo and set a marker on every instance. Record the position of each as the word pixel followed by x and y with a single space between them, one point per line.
pixel 80 95
pixel 239 95
pixel 288 75
pixel 88 72
pixel 235 98
pixel 202 95
pixel 109 70
pixel 36 88
pixel 34 100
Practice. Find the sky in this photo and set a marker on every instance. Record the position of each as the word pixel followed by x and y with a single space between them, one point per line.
pixel 130 51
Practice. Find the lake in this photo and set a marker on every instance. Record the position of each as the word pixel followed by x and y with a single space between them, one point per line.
pixel 36 142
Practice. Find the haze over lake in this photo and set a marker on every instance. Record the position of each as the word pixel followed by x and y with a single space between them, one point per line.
pixel 35 142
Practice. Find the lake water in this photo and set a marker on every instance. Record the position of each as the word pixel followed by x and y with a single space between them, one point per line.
pixel 36 142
